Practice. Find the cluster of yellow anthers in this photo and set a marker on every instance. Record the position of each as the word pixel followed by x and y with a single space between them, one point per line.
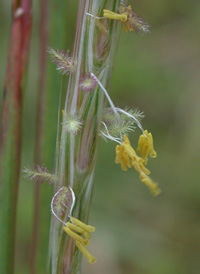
pixel 145 146
pixel 127 157
pixel 80 232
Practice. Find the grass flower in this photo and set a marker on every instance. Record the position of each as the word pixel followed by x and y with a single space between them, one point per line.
pixel 120 120
pixel 125 154
pixel 110 116
pixel 64 199
pixel 72 123
pixel 119 127
pixel 87 83
pixel 131 22
pixel 134 22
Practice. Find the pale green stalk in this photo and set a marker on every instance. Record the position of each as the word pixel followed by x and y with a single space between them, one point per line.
pixel 93 52
pixel 57 20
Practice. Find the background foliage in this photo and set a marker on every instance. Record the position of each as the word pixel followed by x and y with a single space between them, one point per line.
pixel 159 74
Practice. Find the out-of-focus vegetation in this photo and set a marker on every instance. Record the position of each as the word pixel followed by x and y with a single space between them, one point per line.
pixel 159 74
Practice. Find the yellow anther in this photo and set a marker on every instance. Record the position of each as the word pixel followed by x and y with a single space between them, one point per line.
pixel 91 259
pixel 116 16
pixel 145 146
pixel 139 167
pixel 75 236
pixel 75 228
pixel 86 235
pixel 88 228
pixel 87 242
pixel 153 187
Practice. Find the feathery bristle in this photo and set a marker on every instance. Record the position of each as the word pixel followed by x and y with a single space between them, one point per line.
pixel 39 174
pixel 65 64
pixel 62 201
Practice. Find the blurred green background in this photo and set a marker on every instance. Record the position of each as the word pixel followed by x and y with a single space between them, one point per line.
pixel 159 74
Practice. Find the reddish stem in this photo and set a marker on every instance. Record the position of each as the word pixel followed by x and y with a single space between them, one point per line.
pixel 11 128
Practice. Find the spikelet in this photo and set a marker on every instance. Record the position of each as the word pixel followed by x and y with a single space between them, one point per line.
pixel 62 201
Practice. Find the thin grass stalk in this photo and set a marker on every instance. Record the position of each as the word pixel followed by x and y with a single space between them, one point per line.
pixel 57 39
pixel 10 152
pixel 93 52
pixel 43 34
